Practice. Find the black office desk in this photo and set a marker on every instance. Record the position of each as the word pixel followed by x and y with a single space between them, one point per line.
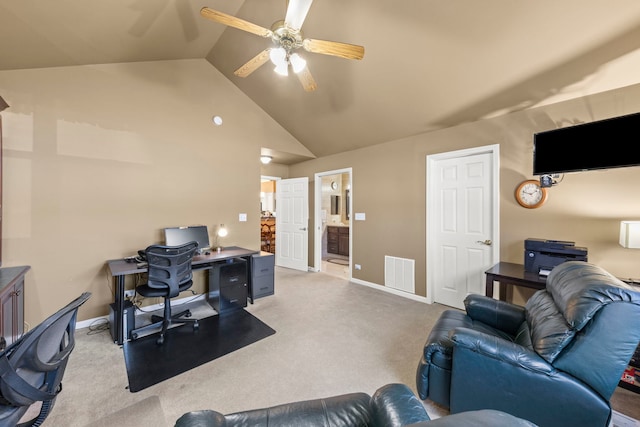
pixel 119 269
pixel 508 273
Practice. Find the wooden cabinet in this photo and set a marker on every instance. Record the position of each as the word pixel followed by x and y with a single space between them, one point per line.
pixel 338 240
pixel 268 234
pixel 12 302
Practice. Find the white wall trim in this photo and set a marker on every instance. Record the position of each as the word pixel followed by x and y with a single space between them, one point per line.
pixel 317 223
pixel 391 291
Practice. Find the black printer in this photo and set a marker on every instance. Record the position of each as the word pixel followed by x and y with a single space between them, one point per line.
pixel 540 256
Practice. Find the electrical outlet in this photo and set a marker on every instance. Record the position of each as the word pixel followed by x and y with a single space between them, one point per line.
pixel 358 267
pixel 130 293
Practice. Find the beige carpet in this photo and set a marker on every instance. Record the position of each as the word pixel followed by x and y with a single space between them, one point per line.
pixel 333 337
pixel 147 412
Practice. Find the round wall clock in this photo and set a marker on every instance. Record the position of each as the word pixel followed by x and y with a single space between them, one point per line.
pixel 530 195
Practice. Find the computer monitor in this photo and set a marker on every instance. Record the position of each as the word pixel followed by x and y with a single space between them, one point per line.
pixel 175 236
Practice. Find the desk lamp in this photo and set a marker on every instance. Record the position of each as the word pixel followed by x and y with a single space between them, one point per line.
pixel 630 234
pixel 222 232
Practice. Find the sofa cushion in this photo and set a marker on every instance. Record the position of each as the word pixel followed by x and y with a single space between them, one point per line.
pixel 343 410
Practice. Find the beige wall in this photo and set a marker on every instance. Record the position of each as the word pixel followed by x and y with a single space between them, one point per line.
pixel 99 159
pixel 389 186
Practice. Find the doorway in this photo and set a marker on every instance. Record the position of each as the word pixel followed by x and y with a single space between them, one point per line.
pixel 463 222
pixel 333 234
pixel 268 213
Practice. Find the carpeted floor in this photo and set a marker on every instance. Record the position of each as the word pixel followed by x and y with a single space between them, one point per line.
pixel 333 337
pixel 149 411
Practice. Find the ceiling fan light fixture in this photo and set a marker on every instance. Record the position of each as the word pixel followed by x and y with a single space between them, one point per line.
pixel 278 56
pixel 282 69
pixel 297 63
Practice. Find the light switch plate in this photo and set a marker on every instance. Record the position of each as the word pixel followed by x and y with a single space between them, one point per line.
pixel 242 217
pixel 360 216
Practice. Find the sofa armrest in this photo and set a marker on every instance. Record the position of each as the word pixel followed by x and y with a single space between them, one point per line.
pixel 204 418
pixel 488 372
pixel 498 314
pixel 480 418
pixel 396 405
pixel 500 349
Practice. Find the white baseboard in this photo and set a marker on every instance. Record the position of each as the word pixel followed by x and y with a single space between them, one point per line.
pixel 89 322
pixel 391 291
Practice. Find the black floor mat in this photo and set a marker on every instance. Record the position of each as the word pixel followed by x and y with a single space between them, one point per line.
pixel 149 363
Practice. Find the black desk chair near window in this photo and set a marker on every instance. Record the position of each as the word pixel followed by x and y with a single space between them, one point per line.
pixel 31 369
pixel 169 273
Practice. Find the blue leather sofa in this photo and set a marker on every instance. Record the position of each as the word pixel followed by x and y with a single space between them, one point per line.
pixel 556 361
pixel 393 405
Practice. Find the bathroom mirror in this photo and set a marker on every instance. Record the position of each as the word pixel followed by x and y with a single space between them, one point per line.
pixel 335 205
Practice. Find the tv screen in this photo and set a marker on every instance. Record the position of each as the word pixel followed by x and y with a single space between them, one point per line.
pixel 175 236
pixel 604 144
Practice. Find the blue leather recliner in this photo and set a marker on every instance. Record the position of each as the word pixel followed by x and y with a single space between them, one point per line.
pixel 556 361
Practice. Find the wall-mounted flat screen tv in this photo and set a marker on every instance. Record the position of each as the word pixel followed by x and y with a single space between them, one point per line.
pixel 603 144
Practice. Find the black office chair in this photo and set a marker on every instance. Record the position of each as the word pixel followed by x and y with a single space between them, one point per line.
pixel 31 369
pixel 169 274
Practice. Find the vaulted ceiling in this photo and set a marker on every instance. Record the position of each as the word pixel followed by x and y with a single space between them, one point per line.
pixel 428 64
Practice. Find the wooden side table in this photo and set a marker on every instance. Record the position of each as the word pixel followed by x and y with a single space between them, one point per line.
pixel 508 273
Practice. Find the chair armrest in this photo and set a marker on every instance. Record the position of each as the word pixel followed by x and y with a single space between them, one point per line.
pixel 205 418
pixel 499 349
pixel 498 314
pixel 396 405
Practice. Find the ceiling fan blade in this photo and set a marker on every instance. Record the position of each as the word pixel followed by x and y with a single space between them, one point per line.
pixel 296 13
pixel 343 50
pixel 253 64
pixel 232 21
pixel 307 80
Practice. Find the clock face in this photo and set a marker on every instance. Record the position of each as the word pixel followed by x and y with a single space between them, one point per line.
pixel 530 195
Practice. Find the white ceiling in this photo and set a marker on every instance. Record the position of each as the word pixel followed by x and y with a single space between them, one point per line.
pixel 428 64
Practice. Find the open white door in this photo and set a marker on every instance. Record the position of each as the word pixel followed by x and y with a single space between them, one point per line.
pixel 292 223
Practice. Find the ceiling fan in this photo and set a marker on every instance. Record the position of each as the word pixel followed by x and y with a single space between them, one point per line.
pixel 287 39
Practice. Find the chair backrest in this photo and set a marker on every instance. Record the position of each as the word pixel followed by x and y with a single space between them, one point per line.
pixel 586 322
pixel 170 266
pixel 31 369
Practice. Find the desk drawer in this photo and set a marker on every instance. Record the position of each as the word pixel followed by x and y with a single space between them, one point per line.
pixel 262 286
pixel 233 273
pixel 262 265
pixel 233 297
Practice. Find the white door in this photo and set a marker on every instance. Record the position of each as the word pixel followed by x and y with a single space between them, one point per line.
pixel 292 223
pixel 461 227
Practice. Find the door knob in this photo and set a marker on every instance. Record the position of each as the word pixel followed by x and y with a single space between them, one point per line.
pixel 303 229
pixel 487 242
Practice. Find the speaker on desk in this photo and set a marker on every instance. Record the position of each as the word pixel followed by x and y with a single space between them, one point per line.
pixel 128 319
